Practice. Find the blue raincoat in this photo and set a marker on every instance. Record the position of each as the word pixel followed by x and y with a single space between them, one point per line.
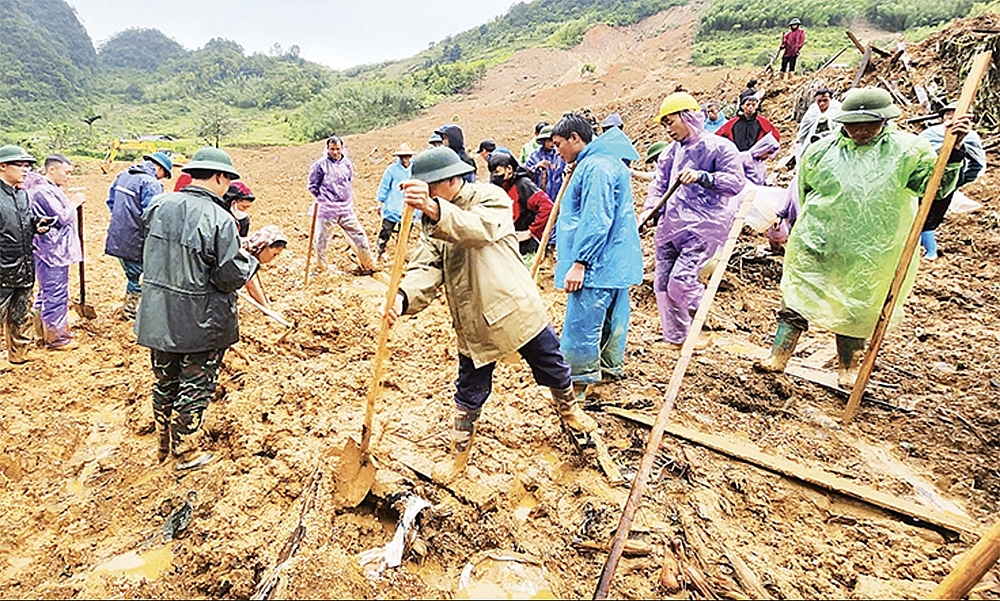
pixel 389 193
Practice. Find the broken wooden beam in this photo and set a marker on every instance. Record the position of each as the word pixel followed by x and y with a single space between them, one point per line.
pixel 866 60
pixel 816 477
pixel 854 40
pixel 971 567
pixel 891 87
pixel 833 58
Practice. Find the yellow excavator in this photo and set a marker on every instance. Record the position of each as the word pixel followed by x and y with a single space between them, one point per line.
pixel 139 147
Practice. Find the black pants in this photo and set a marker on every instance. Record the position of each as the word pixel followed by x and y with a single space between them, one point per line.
pixel 788 63
pixel 938 210
pixel 388 228
pixel 541 353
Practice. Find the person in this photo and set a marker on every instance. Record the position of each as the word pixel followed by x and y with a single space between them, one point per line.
pixel 598 252
pixel 714 119
pixel 973 164
pixel 239 198
pixel 753 159
pixel 546 164
pixel 748 127
pixel 128 197
pixel 694 222
pixel 467 239
pixel 264 245
pixel 531 206
pixel 183 181
pixel 55 250
pixel 17 270
pixel 453 138
pixel 859 192
pixel 390 195
pixel 792 43
pixel 750 90
pixel 818 120
pixel 331 181
pixel 531 145
pixel 435 140
pixel 193 267
pixel 652 154
pixel 485 148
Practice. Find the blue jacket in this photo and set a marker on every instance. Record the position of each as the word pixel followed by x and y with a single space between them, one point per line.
pixel 597 223
pixel 554 176
pixel 389 193
pixel 128 197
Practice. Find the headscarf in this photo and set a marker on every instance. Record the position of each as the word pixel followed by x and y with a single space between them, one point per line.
pixel 263 238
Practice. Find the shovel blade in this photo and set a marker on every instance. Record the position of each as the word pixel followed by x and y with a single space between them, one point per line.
pixel 355 476
pixel 85 311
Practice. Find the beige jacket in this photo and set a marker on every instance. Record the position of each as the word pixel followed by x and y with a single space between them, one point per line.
pixel 472 250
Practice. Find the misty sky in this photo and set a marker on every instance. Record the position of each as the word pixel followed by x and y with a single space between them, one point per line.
pixel 336 33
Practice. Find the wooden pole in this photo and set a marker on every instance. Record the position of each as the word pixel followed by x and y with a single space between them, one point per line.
pixel 312 234
pixel 854 40
pixel 553 215
pixel 979 67
pixel 383 335
pixel 866 60
pixel 833 58
pixel 971 568
pixel 656 435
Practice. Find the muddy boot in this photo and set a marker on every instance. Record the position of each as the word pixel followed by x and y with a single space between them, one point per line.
pixel 568 407
pixel 131 304
pixel 37 326
pixel 850 354
pixel 785 340
pixel 187 452
pixel 163 434
pixel 462 436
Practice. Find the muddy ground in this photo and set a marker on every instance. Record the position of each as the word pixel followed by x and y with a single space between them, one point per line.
pixel 85 498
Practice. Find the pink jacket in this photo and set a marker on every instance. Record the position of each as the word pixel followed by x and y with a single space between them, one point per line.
pixel 793 41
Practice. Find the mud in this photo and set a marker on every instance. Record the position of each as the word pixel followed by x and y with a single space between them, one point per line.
pixel 84 498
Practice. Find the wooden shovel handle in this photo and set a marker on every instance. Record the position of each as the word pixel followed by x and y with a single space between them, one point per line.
pixel 971 568
pixel 383 335
pixel 83 279
pixel 312 234
pixel 553 215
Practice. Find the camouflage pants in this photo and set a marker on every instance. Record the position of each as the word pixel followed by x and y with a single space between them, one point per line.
pixel 185 383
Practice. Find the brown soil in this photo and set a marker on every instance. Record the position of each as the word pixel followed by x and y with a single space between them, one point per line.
pixel 84 493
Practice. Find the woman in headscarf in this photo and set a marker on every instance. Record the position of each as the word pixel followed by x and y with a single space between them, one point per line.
pixel 265 244
pixel 694 222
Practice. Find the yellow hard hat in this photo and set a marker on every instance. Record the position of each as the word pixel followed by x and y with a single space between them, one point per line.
pixel 677 102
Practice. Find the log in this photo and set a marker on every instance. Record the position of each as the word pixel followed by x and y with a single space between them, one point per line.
pixel 971 568
pixel 979 67
pixel 779 465
pixel 866 60
pixel 854 40
pixel 656 436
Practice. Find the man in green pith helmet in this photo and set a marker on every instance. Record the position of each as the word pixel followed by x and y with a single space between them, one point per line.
pixel 193 265
pixel 468 245
pixel 860 189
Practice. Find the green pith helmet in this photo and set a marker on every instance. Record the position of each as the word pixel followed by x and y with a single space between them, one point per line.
pixel 212 159
pixel 795 21
pixel 545 134
pixel 161 159
pixel 438 164
pixel 865 105
pixel 654 150
pixel 15 154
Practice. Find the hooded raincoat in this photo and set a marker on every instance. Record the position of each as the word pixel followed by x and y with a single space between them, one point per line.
pixel 456 141
pixel 330 182
pixel 193 267
pixel 695 220
pixel 597 227
pixel 858 203
pixel 130 194
pixel 753 159
pixel 60 246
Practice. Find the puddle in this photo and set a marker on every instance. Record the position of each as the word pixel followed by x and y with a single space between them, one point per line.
pixel 136 566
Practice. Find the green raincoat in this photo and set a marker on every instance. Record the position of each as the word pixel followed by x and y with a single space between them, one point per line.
pixel 858 203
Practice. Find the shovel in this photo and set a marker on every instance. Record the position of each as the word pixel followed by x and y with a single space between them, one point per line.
pixel 82 308
pixel 312 234
pixel 654 215
pixel 356 472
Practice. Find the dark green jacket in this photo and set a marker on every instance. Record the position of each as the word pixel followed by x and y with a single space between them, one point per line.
pixel 192 268
pixel 17 230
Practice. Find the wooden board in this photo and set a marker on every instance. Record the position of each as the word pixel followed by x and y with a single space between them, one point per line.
pixel 816 477
pixel 465 489
pixel 608 465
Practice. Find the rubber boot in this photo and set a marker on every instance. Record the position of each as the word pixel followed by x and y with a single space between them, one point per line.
pixel 131 304
pixel 930 245
pixel 462 435
pixel 850 354
pixel 38 326
pixel 163 434
pixel 187 452
pixel 568 407
pixel 785 340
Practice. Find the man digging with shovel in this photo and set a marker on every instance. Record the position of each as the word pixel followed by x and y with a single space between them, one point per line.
pixel 468 244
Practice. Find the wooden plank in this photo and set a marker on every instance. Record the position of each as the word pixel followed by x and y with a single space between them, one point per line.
pixel 465 489
pixel 980 64
pixel 971 568
pixel 865 61
pixel 779 465
pixel 854 40
pixel 677 377
pixel 607 464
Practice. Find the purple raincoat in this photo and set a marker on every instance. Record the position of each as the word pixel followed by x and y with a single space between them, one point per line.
pixel 331 183
pixel 704 211
pixel 60 246
pixel 753 159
